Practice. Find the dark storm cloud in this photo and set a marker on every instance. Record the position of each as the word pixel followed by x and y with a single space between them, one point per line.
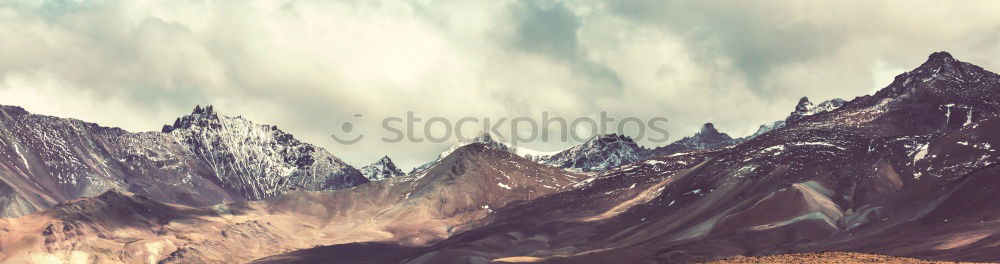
pixel 550 29
pixel 756 39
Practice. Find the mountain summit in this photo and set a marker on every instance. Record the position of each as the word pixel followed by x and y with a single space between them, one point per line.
pixel 597 154
pixel 806 108
pixel 204 117
pixel 484 138
pixel 259 161
pixel 941 94
pixel 803 109
pixel 203 158
pixel 706 138
pixel 709 133
pixel 381 169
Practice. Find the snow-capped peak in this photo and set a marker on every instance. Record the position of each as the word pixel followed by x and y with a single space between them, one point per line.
pixel 806 108
pixel 767 128
pixel 534 155
pixel 382 169
pixel 802 109
pixel 260 161
pixel 202 117
pixel 484 138
pixel 804 105
pixel 597 154
pixel 939 66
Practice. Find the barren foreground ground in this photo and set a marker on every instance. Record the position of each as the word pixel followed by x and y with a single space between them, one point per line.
pixel 826 257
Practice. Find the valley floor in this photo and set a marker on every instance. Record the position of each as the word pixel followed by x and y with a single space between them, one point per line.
pixel 826 257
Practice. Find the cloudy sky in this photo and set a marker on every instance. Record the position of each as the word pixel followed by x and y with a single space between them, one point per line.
pixel 308 66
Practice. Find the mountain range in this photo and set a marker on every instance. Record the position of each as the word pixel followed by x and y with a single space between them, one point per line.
pixel 908 171
pixel 605 152
pixel 202 159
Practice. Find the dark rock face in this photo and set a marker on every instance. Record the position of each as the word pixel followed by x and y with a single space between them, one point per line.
pixel 203 158
pixel 943 93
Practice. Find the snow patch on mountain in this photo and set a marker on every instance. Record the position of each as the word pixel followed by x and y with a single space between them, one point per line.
pixel 534 155
pixel 259 161
pixel 597 154
pixel 203 158
pixel 382 169
pixel 484 138
pixel 767 128
pixel 806 108
pixel 803 109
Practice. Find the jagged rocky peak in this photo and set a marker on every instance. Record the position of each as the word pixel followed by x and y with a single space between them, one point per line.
pixel 829 105
pixel 767 128
pixel 802 109
pixel 256 160
pixel 707 138
pixel 806 108
pixel 600 153
pixel 942 93
pixel 941 62
pixel 382 169
pixel 484 138
pixel 204 158
pixel 616 140
pixel 708 128
pixel 804 105
pixel 202 117
pixel 939 67
pixel 487 139
pixel 940 56
pixel 708 133
pixel 15 110
pixel 612 143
